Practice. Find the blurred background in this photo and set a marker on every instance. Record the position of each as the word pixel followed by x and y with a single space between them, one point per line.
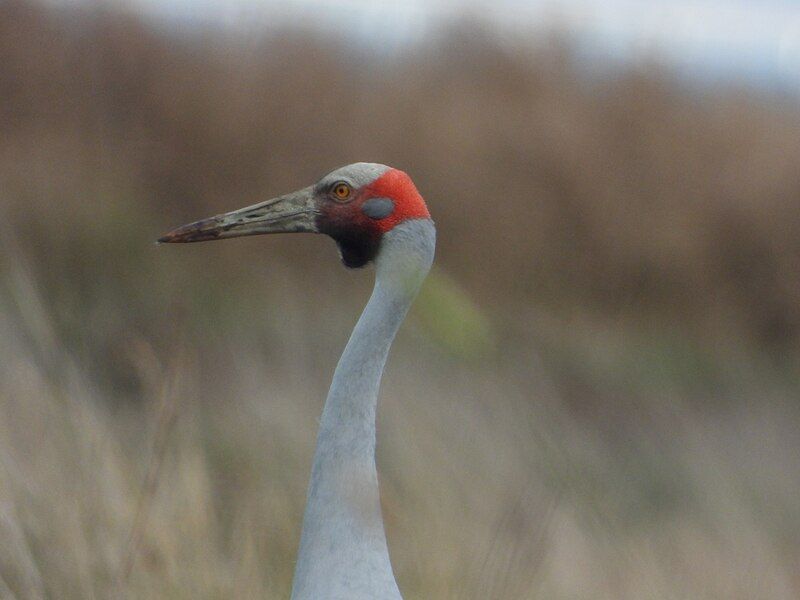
pixel 596 394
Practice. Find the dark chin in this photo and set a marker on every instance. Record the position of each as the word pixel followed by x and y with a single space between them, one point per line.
pixel 357 253
pixel 358 245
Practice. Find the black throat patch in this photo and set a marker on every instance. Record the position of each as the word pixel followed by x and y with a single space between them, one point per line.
pixel 356 252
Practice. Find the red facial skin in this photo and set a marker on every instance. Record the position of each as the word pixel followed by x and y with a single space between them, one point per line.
pixel 398 187
pixel 394 185
pixel 359 235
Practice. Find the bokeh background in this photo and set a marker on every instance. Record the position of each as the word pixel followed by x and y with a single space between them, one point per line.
pixel 596 395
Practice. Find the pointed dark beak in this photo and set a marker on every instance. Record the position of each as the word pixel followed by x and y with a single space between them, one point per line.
pixel 291 213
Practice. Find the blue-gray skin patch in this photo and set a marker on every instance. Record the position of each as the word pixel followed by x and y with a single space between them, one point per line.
pixel 378 208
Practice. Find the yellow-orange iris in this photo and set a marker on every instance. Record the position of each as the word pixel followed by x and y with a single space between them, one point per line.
pixel 341 191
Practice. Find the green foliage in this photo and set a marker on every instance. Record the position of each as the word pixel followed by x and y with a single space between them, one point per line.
pixel 451 318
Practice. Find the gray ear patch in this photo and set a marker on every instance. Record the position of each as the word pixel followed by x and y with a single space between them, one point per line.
pixel 378 208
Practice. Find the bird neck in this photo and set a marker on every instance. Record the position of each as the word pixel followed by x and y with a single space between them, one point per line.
pixel 343 550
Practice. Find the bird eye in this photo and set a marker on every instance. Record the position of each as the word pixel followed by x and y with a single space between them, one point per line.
pixel 341 191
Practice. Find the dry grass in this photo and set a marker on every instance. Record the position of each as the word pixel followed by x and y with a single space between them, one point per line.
pixel 492 488
pixel 595 396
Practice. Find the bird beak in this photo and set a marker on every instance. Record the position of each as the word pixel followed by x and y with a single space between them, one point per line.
pixel 291 213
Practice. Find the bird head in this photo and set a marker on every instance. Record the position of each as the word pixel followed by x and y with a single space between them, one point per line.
pixel 355 205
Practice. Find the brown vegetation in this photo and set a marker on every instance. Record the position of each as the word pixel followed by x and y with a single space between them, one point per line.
pixel 629 248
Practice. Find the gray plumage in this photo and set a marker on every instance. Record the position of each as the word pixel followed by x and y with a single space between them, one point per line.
pixel 343 553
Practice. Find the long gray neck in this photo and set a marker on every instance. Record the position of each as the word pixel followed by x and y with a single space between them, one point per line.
pixel 343 552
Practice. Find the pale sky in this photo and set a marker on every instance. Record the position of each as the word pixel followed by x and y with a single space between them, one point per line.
pixel 718 39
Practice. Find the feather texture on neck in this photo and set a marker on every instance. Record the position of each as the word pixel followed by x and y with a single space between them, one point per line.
pixel 343 552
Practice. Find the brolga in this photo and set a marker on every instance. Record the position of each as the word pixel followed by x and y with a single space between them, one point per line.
pixel 375 214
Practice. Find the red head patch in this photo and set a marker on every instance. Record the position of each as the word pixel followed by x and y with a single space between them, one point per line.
pixel 397 187
pixel 358 223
